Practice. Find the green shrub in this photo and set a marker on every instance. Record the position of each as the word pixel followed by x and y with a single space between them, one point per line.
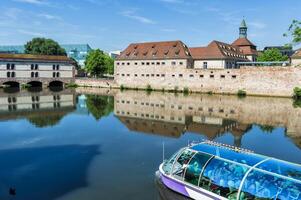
pixel 297 93
pixel 149 88
pixel 72 85
pixel 210 92
pixel 176 88
pixel 241 93
pixel 122 87
pixel 186 91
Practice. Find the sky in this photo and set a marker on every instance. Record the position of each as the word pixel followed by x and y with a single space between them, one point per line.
pixel 114 24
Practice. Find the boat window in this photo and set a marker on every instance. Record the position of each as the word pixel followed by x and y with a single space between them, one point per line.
pixel 195 167
pixel 259 185
pixel 225 153
pixel 282 168
pixel 223 178
pixel 167 166
pixel 180 165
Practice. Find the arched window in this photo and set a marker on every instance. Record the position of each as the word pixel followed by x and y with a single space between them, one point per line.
pixel 58 74
pixel 13 74
pixel 32 66
pixel 37 74
pixel 53 67
pixel 53 74
pixel 36 67
pixel 32 74
pixel 7 66
pixel 8 74
pixel 57 67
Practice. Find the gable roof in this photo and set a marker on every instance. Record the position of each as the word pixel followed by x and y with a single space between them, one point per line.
pixel 30 57
pixel 243 42
pixel 297 54
pixel 155 50
pixel 217 50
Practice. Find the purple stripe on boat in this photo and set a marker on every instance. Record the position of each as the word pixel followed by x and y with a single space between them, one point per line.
pixel 174 185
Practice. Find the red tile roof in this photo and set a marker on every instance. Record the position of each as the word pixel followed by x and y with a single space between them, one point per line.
pixel 155 50
pixel 217 50
pixel 27 57
pixel 297 54
pixel 243 42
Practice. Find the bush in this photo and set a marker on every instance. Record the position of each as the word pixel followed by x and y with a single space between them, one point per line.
pixel 149 88
pixel 297 93
pixel 210 92
pixel 176 89
pixel 186 91
pixel 72 85
pixel 241 93
pixel 122 87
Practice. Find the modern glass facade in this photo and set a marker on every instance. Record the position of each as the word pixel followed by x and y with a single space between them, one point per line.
pixel 76 51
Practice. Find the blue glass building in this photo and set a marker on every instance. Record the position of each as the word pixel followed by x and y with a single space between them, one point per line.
pixel 76 51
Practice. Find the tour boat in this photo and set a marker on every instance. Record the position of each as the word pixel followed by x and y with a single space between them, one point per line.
pixel 214 171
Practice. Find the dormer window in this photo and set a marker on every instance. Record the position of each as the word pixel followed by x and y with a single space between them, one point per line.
pixel 153 46
pixel 128 53
pixel 145 53
pixel 166 52
pixel 177 52
pixel 136 46
pixel 175 44
pixel 155 53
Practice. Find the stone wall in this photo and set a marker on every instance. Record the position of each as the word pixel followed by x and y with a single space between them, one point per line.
pixel 269 81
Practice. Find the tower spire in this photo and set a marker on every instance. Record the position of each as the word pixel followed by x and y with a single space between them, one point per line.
pixel 243 29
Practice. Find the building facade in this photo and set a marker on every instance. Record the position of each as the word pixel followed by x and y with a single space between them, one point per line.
pixel 243 43
pixel 25 69
pixel 78 52
pixel 296 58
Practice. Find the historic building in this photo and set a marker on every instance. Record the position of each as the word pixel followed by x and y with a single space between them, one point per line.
pixel 78 52
pixel 247 47
pixel 39 69
pixel 296 58
pixel 217 55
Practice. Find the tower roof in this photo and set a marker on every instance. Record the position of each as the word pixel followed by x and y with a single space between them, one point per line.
pixel 243 24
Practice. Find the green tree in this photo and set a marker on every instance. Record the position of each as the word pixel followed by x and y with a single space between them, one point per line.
pixel 43 46
pixel 271 55
pixel 98 63
pixel 294 31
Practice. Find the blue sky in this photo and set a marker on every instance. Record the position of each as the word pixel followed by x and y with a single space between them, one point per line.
pixel 113 24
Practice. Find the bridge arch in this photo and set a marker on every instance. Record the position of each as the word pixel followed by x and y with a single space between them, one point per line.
pixel 56 83
pixel 11 84
pixel 35 84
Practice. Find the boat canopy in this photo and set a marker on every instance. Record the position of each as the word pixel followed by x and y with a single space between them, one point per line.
pixel 235 173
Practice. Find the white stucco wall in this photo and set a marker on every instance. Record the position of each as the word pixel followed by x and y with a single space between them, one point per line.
pixel 296 61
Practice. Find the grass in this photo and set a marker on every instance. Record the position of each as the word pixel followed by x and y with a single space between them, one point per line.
pixel 71 85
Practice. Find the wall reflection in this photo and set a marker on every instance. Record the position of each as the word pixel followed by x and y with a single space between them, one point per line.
pixel 41 108
pixel 210 115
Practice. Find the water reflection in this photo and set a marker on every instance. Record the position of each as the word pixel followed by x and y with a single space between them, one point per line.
pixel 212 116
pixel 40 107
pixel 130 128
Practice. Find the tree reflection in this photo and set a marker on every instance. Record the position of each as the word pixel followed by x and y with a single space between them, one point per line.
pixel 266 128
pixel 46 120
pixel 100 106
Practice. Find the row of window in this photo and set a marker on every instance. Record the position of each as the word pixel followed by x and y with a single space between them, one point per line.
pixel 33 74
pixel 172 106
pixel 149 63
pixel 33 99
pixel 11 66
pixel 173 75
pixel 11 74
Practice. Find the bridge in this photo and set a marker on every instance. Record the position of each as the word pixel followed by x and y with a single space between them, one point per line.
pixel 35 82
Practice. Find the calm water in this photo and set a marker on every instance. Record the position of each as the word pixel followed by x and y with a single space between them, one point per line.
pixel 101 144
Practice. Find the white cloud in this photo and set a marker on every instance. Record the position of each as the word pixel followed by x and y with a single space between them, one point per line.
pixel 37 2
pixel 31 33
pixel 132 15
pixel 49 17
pixel 168 30
pixel 257 25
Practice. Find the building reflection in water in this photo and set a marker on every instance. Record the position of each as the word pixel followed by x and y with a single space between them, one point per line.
pixel 172 115
pixel 41 108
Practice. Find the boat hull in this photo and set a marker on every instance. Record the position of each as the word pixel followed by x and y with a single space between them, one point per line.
pixel 185 189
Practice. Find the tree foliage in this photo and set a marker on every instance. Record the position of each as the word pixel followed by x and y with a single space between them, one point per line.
pixel 271 55
pixel 100 106
pixel 43 46
pixel 98 63
pixel 294 31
